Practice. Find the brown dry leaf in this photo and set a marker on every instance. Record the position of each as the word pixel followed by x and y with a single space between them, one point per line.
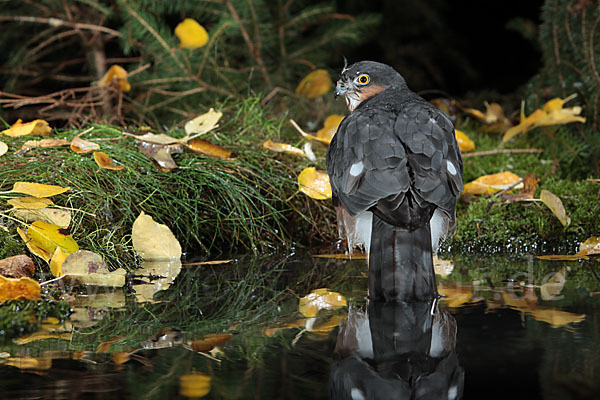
pixel 315 84
pixel 55 216
pixel 121 357
pixel 3 148
pixel 154 241
pixel 320 299
pixel 314 183
pixel 19 288
pixel 492 183
pixel 464 142
pixel 283 148
pixel 30 203
pixel 17 267
pixel 591 246
pixel 191 34
pixel 161 154
pixel 551 113
pixel 208 342
pixel 117 77
pixel 105 162
pixel 43 143
pixel 80 146
pixel 36 127
pixel 556 206
pixel 38 189
pixel 208 149
pixel 202 124
pixel 105 346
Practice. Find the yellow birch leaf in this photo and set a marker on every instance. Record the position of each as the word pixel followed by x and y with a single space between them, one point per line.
pixel 191 34
pixel 38 189
pixel 19 288
pixel 80 146
pixel 208 149
pixel 194 385
pixel 35 127
pixel 329 129
pixel 105 162
pixel 203 123
pixel 117 76
pixel 320 299
pixel 3 148
pixel 154 241
pixel 314 183
pixel 492 183
pixel 85 267
pixel 50 236
pixel 283 148
pixel 556 206
pixel 57 260
pixel 55 216
pixel 30 203
pixel 315 84
pixel 464 142
pixel 43 254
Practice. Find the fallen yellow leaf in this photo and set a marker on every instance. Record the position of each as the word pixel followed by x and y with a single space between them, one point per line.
pixel 42 363
pixel 105 162
pixel 84 267
pixel 590 246
pixel 30 203
pixel 320 299
pixel 3 148
pixel 203 123
pixel 154 241
pixel 556 206
pixel 330 126
pixel 208 149
pixel 464 142
pixel 493 113
pixel 57 260
pixel 43 254
pixel 43 143
pixel 19 288
pixel 283 148
pixel 492 183
pixel 80 146
pixel 55 216
pixel 117 76
pixel 50 236
pixel 551 113
pixel 191 34
pixel 38 189
pixel 315 84
pixel 314 183
pixel 36 127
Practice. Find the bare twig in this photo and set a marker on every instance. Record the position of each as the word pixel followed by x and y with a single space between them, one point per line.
pixel 501 151
pixel 55 22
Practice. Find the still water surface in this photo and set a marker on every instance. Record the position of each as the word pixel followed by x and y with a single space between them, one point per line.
pixel 506 329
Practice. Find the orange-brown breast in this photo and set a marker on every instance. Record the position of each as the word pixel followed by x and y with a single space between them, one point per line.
pixel 370 91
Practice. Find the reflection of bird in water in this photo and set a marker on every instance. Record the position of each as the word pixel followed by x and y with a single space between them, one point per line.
pixel 397 351
pixel 396 171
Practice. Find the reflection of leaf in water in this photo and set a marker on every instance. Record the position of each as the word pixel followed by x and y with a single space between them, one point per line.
pixel 39 363
pixel 554 286
pixel 556 318
pixel 19 288
pixel 320 299
pixel 209 342
pixel 194 385
pixel 455 296
pixel 42 335
pixel 157 276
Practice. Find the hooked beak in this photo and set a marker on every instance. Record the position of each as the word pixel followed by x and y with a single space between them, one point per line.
pixel 340 90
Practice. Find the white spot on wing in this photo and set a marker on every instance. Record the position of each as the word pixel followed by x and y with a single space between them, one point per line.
pixel 433 121
pixel 357 168
pixel 451 168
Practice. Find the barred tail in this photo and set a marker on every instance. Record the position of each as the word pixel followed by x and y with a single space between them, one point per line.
pixel 401 263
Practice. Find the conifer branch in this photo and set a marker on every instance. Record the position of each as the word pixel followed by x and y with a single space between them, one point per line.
pixel 56 22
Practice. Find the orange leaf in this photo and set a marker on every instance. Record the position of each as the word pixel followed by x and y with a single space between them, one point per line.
pixel 329 129
pixel 315 84
pixel 208 149
pixel 464 142
pixel 80 146
pixel 21 288
pixel 283 148
pixel 36 127
pixel 492 183
pixel 320 299
pixel 105 162
pixel 117 76
pixel 314 183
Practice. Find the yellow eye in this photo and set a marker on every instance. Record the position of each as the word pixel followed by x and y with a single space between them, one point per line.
pixel 363 79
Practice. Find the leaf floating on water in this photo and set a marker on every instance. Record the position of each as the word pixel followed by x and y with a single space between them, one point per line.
pixel 154 241
pixel 105 162
pixel 493 183
pixel 314 183
pixel 210 341
pixel 19 288
pixel 320 299
pixel 315 84
pixel 456 296
pixel 38 189
pixel 30 203
pixel 203 123
pixel 36 127
pixel 208 149
pixel 556 206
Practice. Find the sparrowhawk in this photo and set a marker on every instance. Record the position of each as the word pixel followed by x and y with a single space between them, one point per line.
pixel 396 172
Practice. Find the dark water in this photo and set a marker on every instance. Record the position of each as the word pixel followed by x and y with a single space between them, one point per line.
pixel 507 329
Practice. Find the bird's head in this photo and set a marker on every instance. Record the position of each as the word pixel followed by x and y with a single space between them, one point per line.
pixel 365 79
